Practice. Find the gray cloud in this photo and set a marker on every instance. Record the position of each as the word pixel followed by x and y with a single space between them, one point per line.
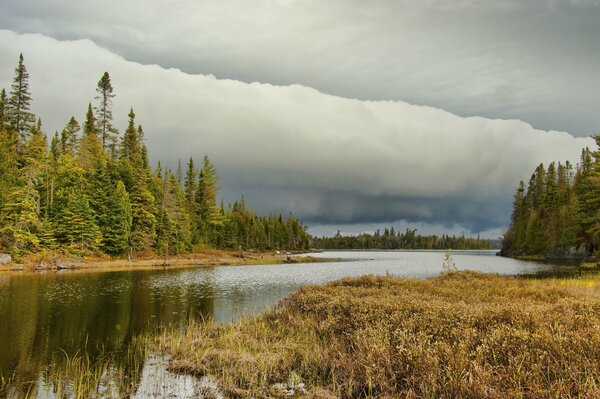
pixel 534 60
pixel 330 160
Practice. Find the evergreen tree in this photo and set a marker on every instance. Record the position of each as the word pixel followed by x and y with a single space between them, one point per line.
pixel 9 167
pixel 190 184
pixel 75 222
pixel 130 147
pixel 143 230
pixel 3 109
pixel 77 196
pixel 89 126
pixel 20 117
pixel 72 216
pixel 207 213
pixel 68 138
pixel 20 223
pixel 118 221
pixel 104 116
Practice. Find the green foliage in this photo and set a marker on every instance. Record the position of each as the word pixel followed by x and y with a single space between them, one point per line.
pixel 20 223
pixel 96 191
pixel 104 117
pixel 3 109
pixel 89 126
pixel 68 137
pixel 560 210
pixel 18 109
pixel 117 222
pixel 389 239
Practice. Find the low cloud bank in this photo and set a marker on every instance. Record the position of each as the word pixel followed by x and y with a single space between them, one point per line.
pixel 330 160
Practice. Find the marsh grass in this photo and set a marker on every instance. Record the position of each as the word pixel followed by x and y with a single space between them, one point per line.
pixel 80 375
pixel 459 335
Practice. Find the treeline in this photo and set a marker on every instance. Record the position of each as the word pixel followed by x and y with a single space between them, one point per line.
pixel 389 239
pixel 558 213
pixel 92 189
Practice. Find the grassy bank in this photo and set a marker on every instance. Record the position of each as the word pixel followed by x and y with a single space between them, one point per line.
pixel 208 257
pixel 458 335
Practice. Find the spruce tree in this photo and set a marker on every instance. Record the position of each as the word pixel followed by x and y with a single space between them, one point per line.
pixel 75 222
pixel 104 116
pixel 20 117
pixel 68 139
pixel 143 230
pixel 130 147
pixel 89 126
pixel 118 221
pixel 208 215
pixel 190 184
pixel 3 108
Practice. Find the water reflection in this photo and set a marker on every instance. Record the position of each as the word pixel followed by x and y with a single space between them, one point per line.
pixel 48 321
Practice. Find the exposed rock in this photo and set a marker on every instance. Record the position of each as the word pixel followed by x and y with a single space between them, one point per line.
pixel 61 266
pixel 569 253
pixel 293 387
pixel 5 259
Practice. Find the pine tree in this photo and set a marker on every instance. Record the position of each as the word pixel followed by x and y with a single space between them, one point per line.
pixel 104 116
pixel 20 118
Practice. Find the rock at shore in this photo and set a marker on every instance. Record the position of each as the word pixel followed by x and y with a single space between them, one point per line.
pixel 5 259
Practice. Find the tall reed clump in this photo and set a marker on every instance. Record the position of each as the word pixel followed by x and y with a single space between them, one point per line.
pixel 459 335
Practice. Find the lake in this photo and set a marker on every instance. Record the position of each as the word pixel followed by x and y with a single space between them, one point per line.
pixel 50 320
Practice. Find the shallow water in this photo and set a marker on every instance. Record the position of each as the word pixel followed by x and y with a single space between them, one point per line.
pixel 48 318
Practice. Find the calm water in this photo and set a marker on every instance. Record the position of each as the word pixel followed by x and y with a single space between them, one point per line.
pixel 49 317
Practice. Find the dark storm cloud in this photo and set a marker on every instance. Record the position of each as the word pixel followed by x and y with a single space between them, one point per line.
pixel 351 208
pixel 534 60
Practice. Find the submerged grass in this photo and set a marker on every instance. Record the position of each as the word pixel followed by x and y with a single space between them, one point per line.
pixel 80 375
pixel 459 335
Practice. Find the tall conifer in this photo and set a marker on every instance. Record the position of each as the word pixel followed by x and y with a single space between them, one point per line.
pixel 20 117
pixel 104 116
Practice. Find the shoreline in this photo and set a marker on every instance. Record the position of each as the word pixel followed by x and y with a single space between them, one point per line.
pixel 208 258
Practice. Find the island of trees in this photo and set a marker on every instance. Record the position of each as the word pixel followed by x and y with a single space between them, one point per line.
pixel 557 215
pixel 92 189
pixel 389 239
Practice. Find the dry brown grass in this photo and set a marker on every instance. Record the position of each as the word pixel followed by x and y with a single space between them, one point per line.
pixel 460 335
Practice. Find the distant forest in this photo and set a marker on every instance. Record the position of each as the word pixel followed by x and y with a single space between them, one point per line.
pixel 92 190
pixel 558 213
pixel 389 239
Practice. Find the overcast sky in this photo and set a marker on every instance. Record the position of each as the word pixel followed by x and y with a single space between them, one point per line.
pixel 352 114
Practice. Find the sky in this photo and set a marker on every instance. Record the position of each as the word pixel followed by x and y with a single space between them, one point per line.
pixel 352 114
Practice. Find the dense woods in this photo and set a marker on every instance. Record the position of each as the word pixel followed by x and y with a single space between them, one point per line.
pixel 91 189
pixel 557 214
pixel 389 239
